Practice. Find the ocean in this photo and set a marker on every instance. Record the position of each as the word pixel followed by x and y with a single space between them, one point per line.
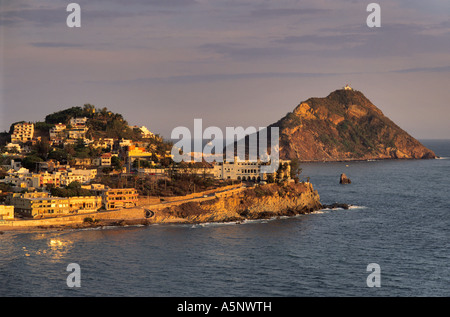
pixel 399 221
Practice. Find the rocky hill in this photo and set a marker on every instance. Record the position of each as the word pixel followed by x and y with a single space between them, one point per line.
pixel 345 125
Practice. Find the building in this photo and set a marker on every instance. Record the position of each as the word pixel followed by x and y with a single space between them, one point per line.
pixel 46 179
pixel 347 87
pixel 77 133
pixel 103 143
pixel 78 122
pixel 152 171
pixel 38 205
pixel 13 148
pixel 57 132
pixel 6 212
pixel 248 170
pixel 77 175
pixel 82 162
pixel 119 198
pixel 145 133
pixel 23 132
pixel 103 160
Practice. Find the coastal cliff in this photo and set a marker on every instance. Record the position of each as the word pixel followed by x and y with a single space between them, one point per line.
pixel 260 202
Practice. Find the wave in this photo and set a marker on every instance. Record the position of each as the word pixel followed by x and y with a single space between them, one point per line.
pixel 321 211
pixel 357 207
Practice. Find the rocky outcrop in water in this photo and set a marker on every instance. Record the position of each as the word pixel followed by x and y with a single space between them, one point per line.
pixel 344 179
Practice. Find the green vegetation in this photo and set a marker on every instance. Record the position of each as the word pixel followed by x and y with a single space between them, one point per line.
pixel 72 190
pixel 90 220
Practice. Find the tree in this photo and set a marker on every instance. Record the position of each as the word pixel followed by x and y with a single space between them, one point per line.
pixel 116 163
pixel 296 170
pixel 42 148
pixel 59 155
pixel 30 161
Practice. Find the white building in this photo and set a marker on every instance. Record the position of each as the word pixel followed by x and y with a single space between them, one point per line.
pixel 78 122
pixel 347 87
pixel 246 170
pixel 57 131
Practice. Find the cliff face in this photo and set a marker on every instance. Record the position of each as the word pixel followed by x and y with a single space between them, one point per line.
pixel 345 125
pixel 261 202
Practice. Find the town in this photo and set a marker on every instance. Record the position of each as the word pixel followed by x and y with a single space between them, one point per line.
pixel 84 160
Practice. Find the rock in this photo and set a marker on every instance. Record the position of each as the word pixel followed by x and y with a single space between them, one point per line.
pixel 344 179
pixel 336 205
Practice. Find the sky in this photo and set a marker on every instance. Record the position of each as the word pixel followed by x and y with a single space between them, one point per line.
pixel 164 63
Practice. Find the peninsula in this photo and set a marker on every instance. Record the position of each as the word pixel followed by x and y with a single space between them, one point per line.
pixel 85 166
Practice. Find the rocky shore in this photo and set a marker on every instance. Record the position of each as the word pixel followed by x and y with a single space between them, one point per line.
pixel 261 202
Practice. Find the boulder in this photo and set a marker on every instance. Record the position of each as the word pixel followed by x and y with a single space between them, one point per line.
pixel 344 179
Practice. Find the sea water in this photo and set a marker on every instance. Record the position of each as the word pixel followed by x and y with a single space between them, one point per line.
pixel 399 220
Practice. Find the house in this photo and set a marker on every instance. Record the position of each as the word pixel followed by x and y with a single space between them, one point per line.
pixel 13 147
pixel 77 175
pixel 83 162
pixel 78 122
pixel 57 132
pixel 6 212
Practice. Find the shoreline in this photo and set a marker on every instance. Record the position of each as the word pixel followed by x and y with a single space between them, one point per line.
pixel 367 160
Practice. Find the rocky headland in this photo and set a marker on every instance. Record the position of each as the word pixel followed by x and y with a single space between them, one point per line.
pixel 260 202
pixel 344 126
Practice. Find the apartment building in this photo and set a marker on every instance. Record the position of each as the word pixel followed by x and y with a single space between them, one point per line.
pixel 38 205
pixel 23 132
pixel 119 198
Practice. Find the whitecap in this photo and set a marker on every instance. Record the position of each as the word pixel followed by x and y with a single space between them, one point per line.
pixel 357 207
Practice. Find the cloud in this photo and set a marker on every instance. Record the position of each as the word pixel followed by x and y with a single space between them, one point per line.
pixel 216 77
pixel 283 12
pixel 35 16
pixel 424 69
pixel 55 44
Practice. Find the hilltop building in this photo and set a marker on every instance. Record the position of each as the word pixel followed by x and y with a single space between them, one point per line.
pixel 347 87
